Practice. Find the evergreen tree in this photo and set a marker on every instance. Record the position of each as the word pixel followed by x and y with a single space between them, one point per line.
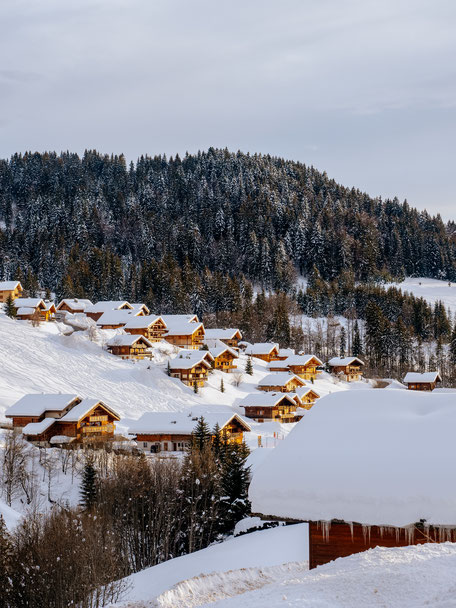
pixel 89 485
pixel 235 479
pixel 195 386
pixel 10 309
pixel 168 369
pixel 357 348
pixel 453 346
pixel 249 367
pixel 342 341
pixel 201 436
pixel 222 386
pixel 217 440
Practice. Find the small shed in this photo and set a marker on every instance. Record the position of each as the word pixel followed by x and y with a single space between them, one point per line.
pixel 422 382
pixel 379 472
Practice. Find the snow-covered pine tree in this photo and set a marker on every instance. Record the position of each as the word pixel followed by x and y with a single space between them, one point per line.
pixel 10 309
pixel 357 347
pixel 6 565
pixel 235 479
pixel 201 436
pixel 89 485
pixel 249 367
pixel 342 341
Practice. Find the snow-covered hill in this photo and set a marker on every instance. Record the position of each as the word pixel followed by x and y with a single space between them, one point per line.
pixel 432 290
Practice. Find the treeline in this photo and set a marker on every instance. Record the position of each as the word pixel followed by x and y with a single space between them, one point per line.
pixel 135 513
pixel 162 229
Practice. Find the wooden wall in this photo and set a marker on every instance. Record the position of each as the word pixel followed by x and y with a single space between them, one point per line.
pixel 328 541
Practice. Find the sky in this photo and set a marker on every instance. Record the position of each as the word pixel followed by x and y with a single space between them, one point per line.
pixel 364 90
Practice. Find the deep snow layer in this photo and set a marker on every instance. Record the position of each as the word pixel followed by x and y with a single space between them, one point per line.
pixel 263 548
pixel 373 457
pixel 432 290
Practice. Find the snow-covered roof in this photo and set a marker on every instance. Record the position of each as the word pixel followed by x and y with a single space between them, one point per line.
pixel 142 322
pixel 302 391
pixel 302 360
pixel 264 399
pixel 9 285
pixel 180 422
pixel 127 340
pixel 105 306
pixel 24 311
pixel 222 334
pixel 181 328
pixel 286 352
pixel 221 348
pixel 75 303
pixel 83 408
pixel 29 303
pixel 138 306
pixel 36 428
pixel 278 365
pixel 61 439
pixel 343 361
pixel 37 404
pixel 279 379
pixel 261 348
pixel 376 458
pixel 180 318
pixel 189 358
pixel 116 317
pixel 425 377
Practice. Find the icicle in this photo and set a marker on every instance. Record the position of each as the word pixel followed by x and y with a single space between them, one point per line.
pixel 350 523
pixel 326 526
pixel 398 535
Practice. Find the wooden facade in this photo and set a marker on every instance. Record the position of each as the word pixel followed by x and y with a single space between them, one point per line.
pixel 225 361
pixel 154 331
pixel 10 288
pixel 307 399
pixel 426 381
pixel 330 540
pixel 139 349
pixel 198 373
pixel 283 411
pixel 287 387
pixel 348 369
pixel 190 337
pixel 308 371
pixel 272 355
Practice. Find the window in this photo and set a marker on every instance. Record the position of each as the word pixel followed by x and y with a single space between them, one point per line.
pixel 145 444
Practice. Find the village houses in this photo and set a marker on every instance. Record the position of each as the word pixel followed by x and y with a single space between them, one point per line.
pixel 191 367
pixel 346 368
pixel 11 289
pixel 128 346
pixel 304 366
pixel 184 331
pixel 282 382
pixel 150 326
pixel 266 407
pixel 29 309
pixel 224 357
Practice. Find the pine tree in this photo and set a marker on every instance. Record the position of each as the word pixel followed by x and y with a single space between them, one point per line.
pixel 168 369
pixel 222 386
pixel 89 485
pixel 195 386
pixel 249 367
pixel 453 346
pixel 357 348
pixel 201 436
pixel 235 479
pixel 217 440
pixel 10 309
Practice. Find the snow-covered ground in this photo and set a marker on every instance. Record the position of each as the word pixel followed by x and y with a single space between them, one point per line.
pixel 264 548
pixel 432 290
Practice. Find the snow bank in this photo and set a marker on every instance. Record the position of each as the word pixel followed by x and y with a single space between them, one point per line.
pixel 10 516
pixel 373 457
pixel 259 549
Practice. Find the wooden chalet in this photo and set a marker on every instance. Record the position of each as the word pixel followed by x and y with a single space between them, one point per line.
pixel 129 346
pixel 385 480
pixel 230 337
pixel 347 368
pixel 150 326
pixel 191 367
pixel 306 396
pixel 266 351
pixel 183 333
pixel 426 381
pixel 73 306
pixel 89 421
pixel 172 431
pixel 303 366
pixel 28 309
pixel 280 382
pixel 96 310
pixel 267 407
pixel 10 288
pixel 36 407
pixel 224 357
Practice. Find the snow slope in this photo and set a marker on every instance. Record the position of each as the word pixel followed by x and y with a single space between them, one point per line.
pixel 432 290
pixel 263 548
pixel 406 577
pixel 10 516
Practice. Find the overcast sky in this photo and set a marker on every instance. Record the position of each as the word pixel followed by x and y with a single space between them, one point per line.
pixel 365 90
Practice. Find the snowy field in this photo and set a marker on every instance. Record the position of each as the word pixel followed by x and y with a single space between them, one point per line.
pixel 432 290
